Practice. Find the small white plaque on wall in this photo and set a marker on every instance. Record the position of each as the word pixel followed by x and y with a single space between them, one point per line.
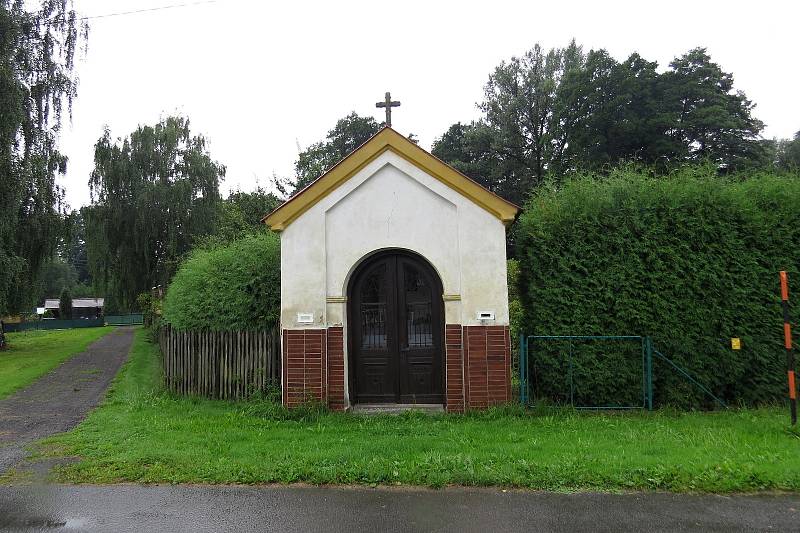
pixel 305 318
pixel 485 315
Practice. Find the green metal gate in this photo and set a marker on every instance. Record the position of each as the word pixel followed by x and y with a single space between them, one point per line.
pixel 125 320
pixel 648 353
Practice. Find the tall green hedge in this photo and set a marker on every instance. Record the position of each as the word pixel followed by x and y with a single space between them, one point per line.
pixel 691 260
pixel 229 287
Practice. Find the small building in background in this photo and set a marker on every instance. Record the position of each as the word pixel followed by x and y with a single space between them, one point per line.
pixel 81 307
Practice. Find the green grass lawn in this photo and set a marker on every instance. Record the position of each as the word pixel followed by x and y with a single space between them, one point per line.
pixel 31 354
pixel 141 434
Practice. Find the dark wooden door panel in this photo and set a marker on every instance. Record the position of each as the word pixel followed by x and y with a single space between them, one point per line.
pixel 395 308
pixel 419 310
pixel 376 380
pixel 374 332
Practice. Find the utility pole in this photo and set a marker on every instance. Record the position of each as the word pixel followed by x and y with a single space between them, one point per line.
pixel 787 343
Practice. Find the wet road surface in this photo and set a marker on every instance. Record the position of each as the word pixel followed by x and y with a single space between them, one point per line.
pixel 179 508
pixel 60 399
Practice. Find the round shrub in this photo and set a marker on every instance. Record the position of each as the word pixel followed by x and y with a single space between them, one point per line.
pixel 691 260
pixel 229 287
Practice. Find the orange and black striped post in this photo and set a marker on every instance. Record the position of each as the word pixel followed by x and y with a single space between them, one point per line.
pixel 787 342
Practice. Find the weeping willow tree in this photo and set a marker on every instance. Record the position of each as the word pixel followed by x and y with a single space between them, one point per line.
pixel 154 193
pixel 37 85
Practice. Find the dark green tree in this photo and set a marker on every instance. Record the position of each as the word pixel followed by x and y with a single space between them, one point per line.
pixel 252 206
pixel 708 119
pixel 788 153
pixel 639 127
pixel 609 112
pixel 584 113
pixel 470 148
pixel 520 105
pixel 67 267
pixel 65 305
pixel 154 194
pixel 349 133
pixel 549 114
pixel 240 214
pixel 56 276
pixel 37 85
pixel 526 128
pixel 72 245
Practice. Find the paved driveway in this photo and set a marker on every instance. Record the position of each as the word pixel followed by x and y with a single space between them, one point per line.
pixel 236 508
pixel 60 399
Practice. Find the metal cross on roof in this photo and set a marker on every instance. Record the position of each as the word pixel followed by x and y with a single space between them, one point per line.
pixel 388 104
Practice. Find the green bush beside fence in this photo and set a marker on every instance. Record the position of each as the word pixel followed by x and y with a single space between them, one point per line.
pixel 229 287
pixel 691 260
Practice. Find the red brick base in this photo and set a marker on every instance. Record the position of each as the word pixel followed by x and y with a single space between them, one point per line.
pixel 304 366
pixel 487 365
pixel 477 367
pixel 336 376
pixel 454 368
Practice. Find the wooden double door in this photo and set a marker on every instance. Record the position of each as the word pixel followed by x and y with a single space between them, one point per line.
pixel 396 325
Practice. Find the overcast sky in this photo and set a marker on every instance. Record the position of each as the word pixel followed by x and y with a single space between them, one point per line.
pixel 258 78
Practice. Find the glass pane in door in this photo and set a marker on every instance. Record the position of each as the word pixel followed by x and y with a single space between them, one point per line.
pixel 373 310
pixel 418 294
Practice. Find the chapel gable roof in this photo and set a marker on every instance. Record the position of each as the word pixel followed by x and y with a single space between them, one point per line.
pixel 389 139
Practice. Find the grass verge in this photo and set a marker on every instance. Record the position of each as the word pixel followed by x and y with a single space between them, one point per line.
pixel 31 354
pixel 141 434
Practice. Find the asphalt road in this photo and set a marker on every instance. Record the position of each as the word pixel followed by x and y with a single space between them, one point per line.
pixel 60 399
pixel 122 508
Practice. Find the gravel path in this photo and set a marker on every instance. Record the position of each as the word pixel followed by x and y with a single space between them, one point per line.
pixel 57 401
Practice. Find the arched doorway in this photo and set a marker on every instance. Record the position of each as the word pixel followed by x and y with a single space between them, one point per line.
pixel 396 326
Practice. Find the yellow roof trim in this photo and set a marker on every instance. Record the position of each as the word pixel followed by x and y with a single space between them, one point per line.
pixel 388 139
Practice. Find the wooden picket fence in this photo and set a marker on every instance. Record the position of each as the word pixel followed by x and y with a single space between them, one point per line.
pixel 220 364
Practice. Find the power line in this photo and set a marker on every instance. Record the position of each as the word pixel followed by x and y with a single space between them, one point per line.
pixel 159 8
